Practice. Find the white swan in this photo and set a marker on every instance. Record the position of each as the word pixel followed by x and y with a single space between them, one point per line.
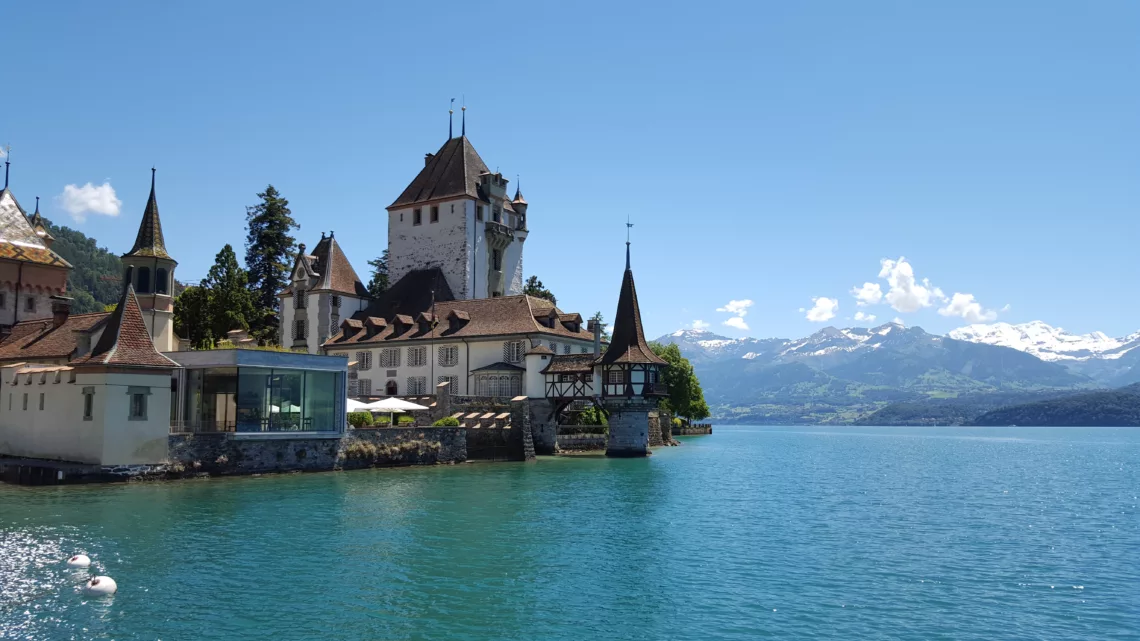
pixel 100 586
pixel 79 561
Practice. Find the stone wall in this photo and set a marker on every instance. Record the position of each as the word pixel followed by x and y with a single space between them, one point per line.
pixel 522 440
pixel 693 430
pixel 581 442
pixel 488 443
pixel 222 454
pixel 629 428
pixel 543 426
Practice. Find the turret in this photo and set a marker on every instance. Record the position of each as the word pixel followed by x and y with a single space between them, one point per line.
pixel 151 271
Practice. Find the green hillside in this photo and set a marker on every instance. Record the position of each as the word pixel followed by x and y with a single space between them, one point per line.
pixel 96 279
pixel 1113 408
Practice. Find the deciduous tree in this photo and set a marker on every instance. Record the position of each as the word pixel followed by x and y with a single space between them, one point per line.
pixel 686 398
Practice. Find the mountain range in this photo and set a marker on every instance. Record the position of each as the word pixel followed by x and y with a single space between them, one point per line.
pixel 840 375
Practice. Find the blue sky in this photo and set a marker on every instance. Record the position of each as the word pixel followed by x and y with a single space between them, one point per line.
pixel 768 152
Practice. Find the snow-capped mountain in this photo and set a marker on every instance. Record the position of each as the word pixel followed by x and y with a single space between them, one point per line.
pixel 1047 342
pixel 701 345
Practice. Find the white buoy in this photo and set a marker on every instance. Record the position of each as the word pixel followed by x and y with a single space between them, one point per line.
pixel 79 561
pixel 100 586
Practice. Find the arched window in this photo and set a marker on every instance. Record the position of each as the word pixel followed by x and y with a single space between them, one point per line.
pixel 390 388
pixel 160 281
pixel 144 280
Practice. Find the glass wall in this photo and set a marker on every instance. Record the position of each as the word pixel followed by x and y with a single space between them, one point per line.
pixel 257 399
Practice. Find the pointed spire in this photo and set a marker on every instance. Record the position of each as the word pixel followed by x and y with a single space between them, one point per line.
pixel 628 344
pixel 37 214
pixel 39 226
pixel 518 193
pixel 149 241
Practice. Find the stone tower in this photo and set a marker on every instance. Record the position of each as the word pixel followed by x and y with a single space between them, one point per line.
pixel 630 376
pixel 456 215
pixel 151 271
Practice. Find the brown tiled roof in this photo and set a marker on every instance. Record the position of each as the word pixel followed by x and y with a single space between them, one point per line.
pixel 149 241
pixel 453 171
pixel 36 339
pixel 336 273
pixel 539 349
pixel 125 340
pixel 18 239
pixel 627 344
pixel 567 363
pixel 376 322
pixel 499 316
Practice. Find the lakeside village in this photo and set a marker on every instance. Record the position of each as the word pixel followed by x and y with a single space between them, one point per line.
pixel 500 374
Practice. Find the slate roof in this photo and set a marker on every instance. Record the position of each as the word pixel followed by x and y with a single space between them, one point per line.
pixel 36 339
pixel 411 296
pixel 18 239
pixel 627 343
pixel 336 273
pixel 149 241
pixel 125 341
pixel 569 363
pixel 452 171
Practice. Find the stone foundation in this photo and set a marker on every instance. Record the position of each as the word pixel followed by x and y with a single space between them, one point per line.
pixel 543 426
pixel 629 428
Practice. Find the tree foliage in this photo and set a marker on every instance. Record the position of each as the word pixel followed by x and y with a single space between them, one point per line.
pixel 686 398
pixel 96 278
pixel 1114 408
pixel 379 282
pixel 601 320
pixel 268 247
pixel 534 287
pixel 220 303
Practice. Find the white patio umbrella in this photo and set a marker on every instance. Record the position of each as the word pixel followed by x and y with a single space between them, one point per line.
pixel 392 404
pixel 355 406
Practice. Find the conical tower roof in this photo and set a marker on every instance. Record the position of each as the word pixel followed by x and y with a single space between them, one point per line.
pixel 125 340
pixel 149 241
pixel 628 344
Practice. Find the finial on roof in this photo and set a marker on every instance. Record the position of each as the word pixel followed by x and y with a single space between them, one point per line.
pixel 450 120
pixel 301 247
pixel 463 116
pixel 628 227
pixel 322 237
pixel 37 205
pixel 152 171
pixel 7 162
pixel 332 234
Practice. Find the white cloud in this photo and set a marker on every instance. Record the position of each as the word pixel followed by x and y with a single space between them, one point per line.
pixel 964 306
pixel 823 310
pixel 737 307
pixel 700 324
pixel 1004 309
pixel 89 199
pixel 866 318
pixel 868 294
pixel 906 293
pixel 737 322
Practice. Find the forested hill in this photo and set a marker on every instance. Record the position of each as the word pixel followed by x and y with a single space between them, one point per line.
pixel 96 278
pixel 1115 408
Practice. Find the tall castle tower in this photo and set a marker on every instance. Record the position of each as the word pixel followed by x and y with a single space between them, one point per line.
pixel 152 270
pixel 456 215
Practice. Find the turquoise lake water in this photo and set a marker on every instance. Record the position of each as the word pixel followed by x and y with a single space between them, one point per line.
pixel 781 533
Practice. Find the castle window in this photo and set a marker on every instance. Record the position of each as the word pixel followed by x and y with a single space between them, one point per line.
pixel 553 346
pixel 364 387
pixel 417 385
pixel 496 260
pixel 88 403
pixel 25 401
pixel 417 216
pixel 299 300
pixel 417 356
pixel 336 301
pixel 435 213
pixel 452 381
pixel 584 350
pixel 364 361
pixel 479 212
pixel 513 351
pixel 497 215
pixel 616 377
pixel 138 402
pixel 390 357
pixel 448 356
pixel 30 304
pixel 144 280
pixel 566 348
pixel 299 330
pixel 3 299
pixel 160 281
pixel 41 401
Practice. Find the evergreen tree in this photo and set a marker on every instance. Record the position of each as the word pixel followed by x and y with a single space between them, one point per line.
pixel 686 398
pixel 231 303
pixel 601 320
pixel 534 287
pixel 268 247
pixel 192 320
pixel 379 283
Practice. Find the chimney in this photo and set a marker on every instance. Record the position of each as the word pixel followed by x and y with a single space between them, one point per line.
pixel 427 159
pixel 597 327
pixel 60 310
